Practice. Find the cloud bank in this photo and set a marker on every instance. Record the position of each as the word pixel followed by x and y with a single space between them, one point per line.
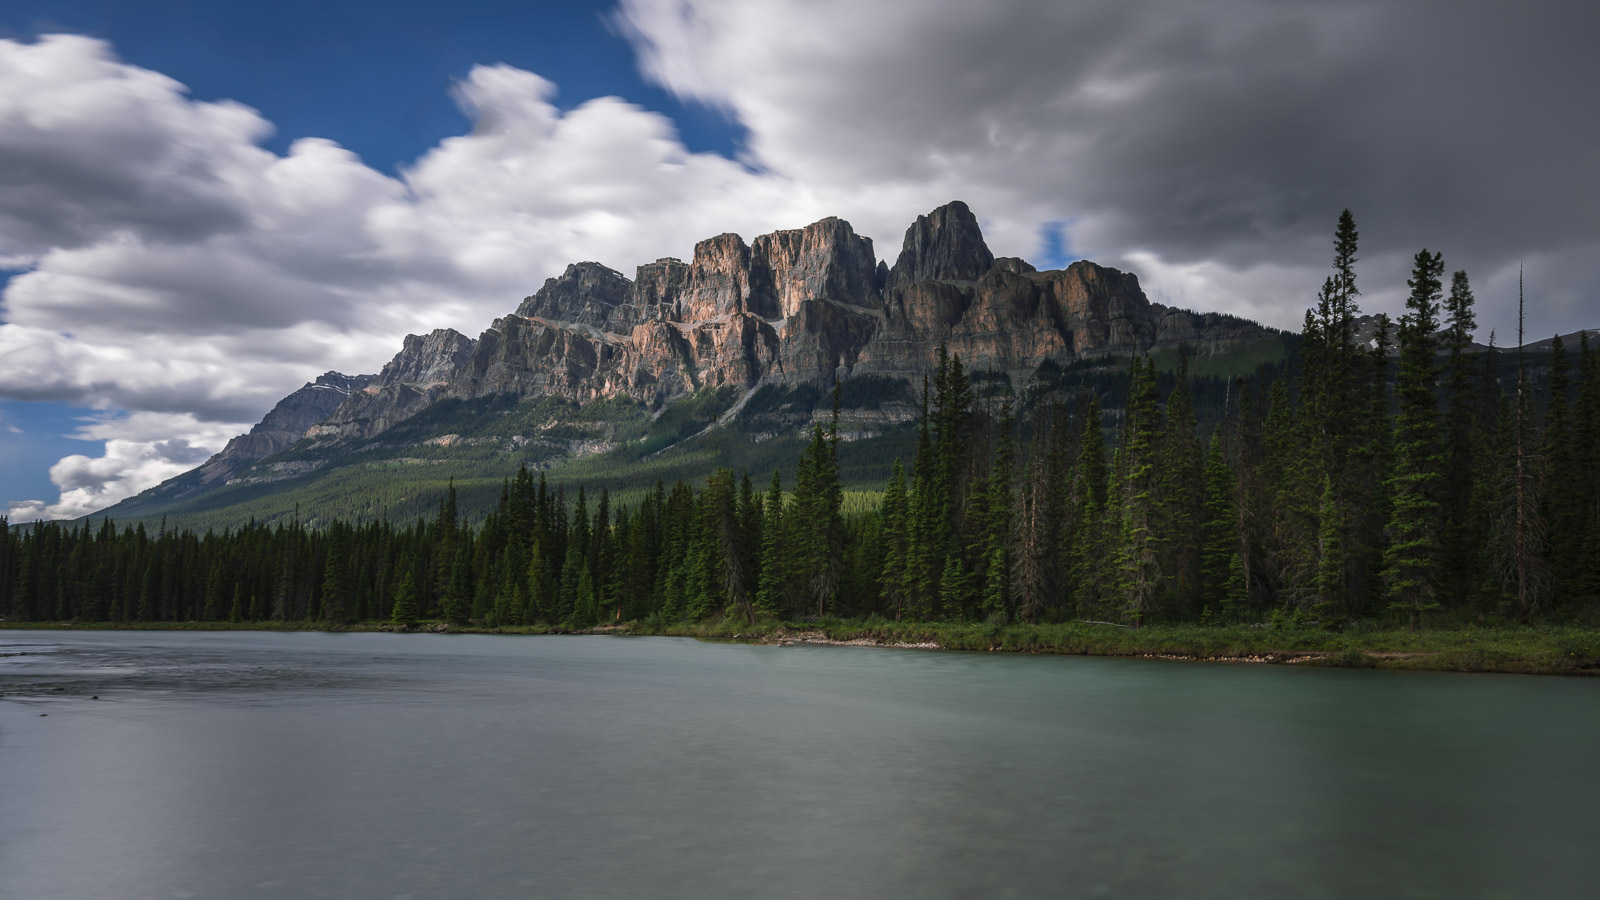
pixel 181 278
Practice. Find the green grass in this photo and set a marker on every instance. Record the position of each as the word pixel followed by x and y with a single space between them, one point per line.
pixel 1541 650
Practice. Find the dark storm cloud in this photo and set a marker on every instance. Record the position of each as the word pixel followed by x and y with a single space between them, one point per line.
pixel 1192 136
pixel 1459 125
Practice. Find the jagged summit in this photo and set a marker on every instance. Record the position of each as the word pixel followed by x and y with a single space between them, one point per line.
pixel 802 305
pixel 282 426
pixel 944 245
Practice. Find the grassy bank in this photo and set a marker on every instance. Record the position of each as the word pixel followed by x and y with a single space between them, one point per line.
pixel 1543 650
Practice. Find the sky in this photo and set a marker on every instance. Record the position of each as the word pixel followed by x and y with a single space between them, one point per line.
pixel 203 206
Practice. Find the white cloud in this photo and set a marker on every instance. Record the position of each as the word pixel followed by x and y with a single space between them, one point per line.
pixel 90 147
pixel 91 483
pixel 141 451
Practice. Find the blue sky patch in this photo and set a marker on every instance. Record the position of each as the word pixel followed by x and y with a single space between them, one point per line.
pixel 1055 252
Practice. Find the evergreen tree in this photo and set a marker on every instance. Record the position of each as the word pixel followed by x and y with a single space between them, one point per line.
pixel 726 547
pixel 405 601
pixel 446 537
pixel 1219 542
pixel 215 591
pixel 1458 548
pixel 816 526
pixel 1561 506
pixel 924 544
pixel 1139 543
pixel 573 568
pixel 1528 525
pixel 895 542
pixel 336 606
pixel 775 564
pixel 1293 486
pixel 953 586
pixel 539 608
pixel 998 534
pixel 1042 515
pixel 456 604
pixel 1410 563
pixel 1181 484
pixel 1084 557
pixel 1375 460
pixel 1332 589
pixel 1586 472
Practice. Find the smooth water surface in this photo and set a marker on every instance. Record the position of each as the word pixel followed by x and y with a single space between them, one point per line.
pixel 244 765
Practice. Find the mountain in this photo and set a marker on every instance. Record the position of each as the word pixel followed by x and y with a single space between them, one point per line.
pixel 734 349
pixel 283 426
pixel 792 307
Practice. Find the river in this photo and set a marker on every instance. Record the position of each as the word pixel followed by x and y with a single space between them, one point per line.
pixel 246 764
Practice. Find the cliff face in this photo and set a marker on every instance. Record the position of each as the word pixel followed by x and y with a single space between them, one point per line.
pixel 944 245
pixel 285 424
pixel 420 374
pixel 797 306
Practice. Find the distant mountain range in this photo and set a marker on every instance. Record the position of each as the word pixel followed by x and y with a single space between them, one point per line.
pixel 691 363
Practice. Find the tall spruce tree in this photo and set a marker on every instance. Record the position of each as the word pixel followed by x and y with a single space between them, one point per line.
pixel 1586 466
pixel 1560 504
pixel 895 543
pixel 1375 459
pixel 1138 539
pixel 1458 549
pixel 1411 562
pixel 1219 532
pixel 997 536
pixel 1182 485
pixel 336 605
pixel 1087 539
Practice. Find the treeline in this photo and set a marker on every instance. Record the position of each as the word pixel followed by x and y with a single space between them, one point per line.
pixel 1368 487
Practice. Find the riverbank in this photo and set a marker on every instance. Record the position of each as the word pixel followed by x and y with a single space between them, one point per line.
pixel 1541 650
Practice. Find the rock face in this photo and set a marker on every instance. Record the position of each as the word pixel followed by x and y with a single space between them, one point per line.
pixel 944 245
pixel 824 260
pixel 798 306
pixel 285 424
pixel 419 375
pixel 587 293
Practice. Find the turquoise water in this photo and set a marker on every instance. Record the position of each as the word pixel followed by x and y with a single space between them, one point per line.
pixel 376 765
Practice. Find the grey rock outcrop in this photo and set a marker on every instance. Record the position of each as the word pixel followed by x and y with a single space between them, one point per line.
pixel 945 244
pixel 586 293
pixel 285 424
pixel 804 305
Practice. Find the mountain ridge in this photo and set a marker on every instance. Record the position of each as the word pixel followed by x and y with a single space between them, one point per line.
pixel 797 306
pixel 780 317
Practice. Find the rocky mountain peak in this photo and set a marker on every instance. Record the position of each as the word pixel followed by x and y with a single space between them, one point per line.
pixel 657 288
pixel 824 260
pixel 719 278
pixel 587 293
pixel 283 425
pixel 796 306
pixel 944 245
pixel 429 358
pixel 338 381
